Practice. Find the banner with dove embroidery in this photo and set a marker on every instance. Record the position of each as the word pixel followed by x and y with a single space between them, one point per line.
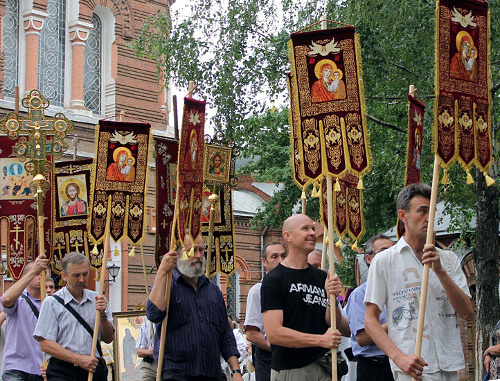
pixel 121 168
pixel 462 115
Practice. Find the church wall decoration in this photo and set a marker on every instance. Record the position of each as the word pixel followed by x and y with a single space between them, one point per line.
pixel 121 167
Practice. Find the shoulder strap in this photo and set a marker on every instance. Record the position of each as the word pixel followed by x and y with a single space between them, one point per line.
pixel 80 320
pixel 32 306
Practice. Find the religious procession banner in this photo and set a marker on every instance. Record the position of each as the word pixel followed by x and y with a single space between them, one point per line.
pixel 348 208
pixel 219 181
pixel 416 111
pixel 327 101
pixel 462 115
pixel 18 211
pixel 121 167
pixel 166 187
pixel 71 211
pixel 190 170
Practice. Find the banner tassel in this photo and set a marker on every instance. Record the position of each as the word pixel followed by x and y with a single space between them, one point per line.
pixel 95 251
pixel 489 180
pixel 184 255
pixel 336 188
pixel 191 252
pixel 303 195
pixel 470 180
pixel 360 184
pixel 445 180
pixel 339 243
pixel 131 253
pixel 315 192
pixel 116 252
pixel 355 246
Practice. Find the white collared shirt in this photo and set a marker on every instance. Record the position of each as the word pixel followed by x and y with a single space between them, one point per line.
pixel 394 283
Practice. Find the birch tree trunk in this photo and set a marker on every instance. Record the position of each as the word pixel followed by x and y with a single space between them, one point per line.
pixel 486 269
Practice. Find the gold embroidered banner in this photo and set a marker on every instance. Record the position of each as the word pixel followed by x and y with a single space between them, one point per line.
pixel 18 213
pixel 120 172
pixel 327 102
pixel 219 180
pixel 166 186
pixel 462 115
pixel 348 208
pixel 190 169
pixel 416 111
pixel 71 211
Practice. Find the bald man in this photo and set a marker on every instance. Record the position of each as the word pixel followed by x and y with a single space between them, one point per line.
pixel 314 258
pixel 296 310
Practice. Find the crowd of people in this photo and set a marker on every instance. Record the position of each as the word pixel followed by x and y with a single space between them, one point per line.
pixel 287 322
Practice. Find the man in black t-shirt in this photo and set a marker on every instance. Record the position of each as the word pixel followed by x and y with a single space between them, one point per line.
pixel 296 310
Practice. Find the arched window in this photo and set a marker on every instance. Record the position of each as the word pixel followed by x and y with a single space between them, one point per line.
pixel 92 78
pixel 11 47
pixel 51 53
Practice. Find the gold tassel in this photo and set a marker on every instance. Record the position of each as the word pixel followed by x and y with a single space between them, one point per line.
pixel 315 192
pixel 191 252
pixel 489 180
pixel 336 188
pixel 95 251
pixel 355 246
pixel 116 253
pixel 303 195
pixel 184 255
pixel 445 180
pixel 360 184
pixel 327 240
pixel 131 253
pixel 470 180
pixel 339 243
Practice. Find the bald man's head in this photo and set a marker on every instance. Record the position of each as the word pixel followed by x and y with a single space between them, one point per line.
pixel 299 233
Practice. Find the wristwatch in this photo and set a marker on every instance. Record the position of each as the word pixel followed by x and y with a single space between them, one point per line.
pixel 236 371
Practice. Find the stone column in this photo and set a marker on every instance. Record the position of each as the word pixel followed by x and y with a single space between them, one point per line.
pixel 78 35
pixel 32 22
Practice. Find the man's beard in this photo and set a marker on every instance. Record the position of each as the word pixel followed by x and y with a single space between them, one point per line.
pixel 191 271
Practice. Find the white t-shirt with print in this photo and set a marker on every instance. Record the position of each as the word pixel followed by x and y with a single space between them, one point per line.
pixel 394 283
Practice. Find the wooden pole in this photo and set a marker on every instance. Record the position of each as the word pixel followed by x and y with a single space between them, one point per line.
pixel 16 100
pixel 425 275
pixel 213 200
pixel 144 271
pixel 176 118
pixel 323 254
pixel 169 276
pixel 331 247
pixel 38 180
pixel 101 282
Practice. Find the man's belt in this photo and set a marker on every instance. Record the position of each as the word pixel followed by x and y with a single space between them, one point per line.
pixel 375 359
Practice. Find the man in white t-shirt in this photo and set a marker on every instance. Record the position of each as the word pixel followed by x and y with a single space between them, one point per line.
pixel 272 254
pixel 394 282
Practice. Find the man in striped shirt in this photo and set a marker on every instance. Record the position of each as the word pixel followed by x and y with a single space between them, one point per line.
pixel 198 330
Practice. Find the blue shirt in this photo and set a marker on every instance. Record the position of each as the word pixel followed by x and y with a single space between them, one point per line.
pixel 198 331
pixel 22 352
pixel 356 314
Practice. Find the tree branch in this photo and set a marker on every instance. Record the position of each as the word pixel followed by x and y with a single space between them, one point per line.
pixel 495 88
pixel 385 124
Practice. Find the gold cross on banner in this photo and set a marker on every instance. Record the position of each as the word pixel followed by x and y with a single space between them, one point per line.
pixel 37 136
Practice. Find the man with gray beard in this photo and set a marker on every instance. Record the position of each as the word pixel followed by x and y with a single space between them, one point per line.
pixel 198 330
